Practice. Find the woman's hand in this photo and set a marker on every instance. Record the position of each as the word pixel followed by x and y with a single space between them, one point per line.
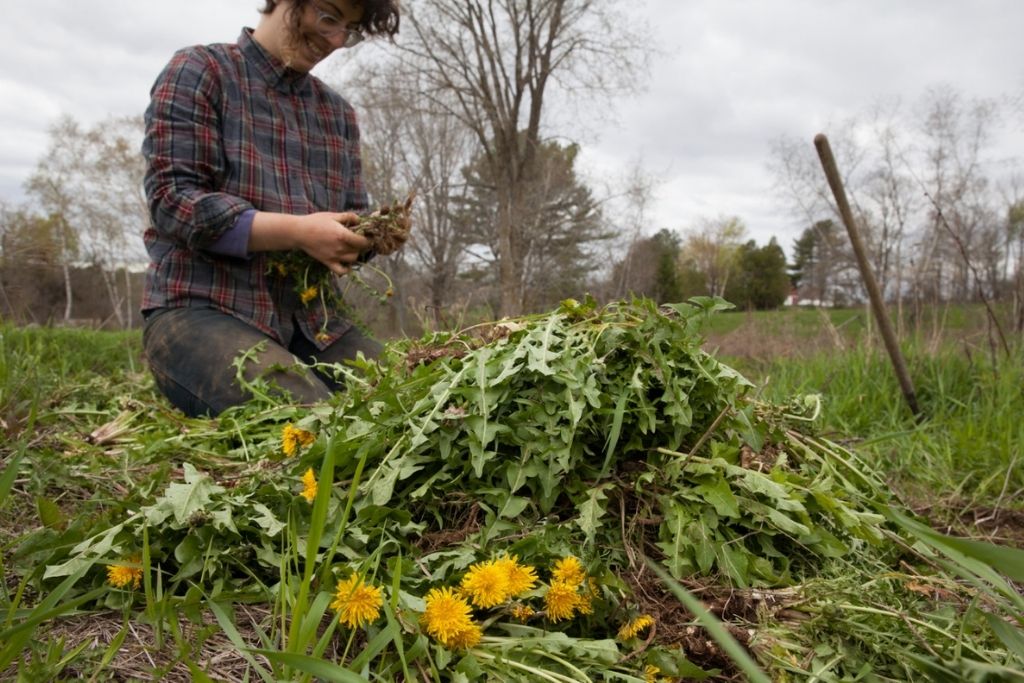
pixel 327 237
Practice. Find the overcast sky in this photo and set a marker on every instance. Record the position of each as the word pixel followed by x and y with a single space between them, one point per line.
pixel 731 76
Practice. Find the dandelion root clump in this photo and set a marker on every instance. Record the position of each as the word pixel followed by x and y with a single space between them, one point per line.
pixel 388 227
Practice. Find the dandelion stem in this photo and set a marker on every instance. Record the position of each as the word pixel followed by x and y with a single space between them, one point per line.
pixel 542 673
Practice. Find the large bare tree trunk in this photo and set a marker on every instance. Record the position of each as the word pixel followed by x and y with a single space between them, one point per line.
pixel 508 273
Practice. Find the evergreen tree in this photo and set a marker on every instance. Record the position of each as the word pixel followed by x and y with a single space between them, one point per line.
pixel 667 287
pixel 761 281
pixel 556 233
pixel 818 256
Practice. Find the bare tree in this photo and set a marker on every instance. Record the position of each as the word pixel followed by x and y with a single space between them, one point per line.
pixel 955 135
pixel 711 249
pixel 650 268
pixel 799 181
pixel 89 182
pixel 54 187
pixel 921 184
pixel 638 195
pixel 890 203
pixel 412 144
pixel 1015 227
pixel 115 212
pixel 29 252
pixel 1012 194
pixel 495 62
pixel 802 186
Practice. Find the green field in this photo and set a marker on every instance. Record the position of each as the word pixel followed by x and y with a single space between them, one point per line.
pixel 97 470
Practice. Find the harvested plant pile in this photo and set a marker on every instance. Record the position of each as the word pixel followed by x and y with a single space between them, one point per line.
pixel 538 499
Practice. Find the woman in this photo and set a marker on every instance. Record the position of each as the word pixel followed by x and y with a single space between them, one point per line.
pixel 247 154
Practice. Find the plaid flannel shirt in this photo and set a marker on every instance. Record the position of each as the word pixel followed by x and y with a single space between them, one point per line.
pixel 229 128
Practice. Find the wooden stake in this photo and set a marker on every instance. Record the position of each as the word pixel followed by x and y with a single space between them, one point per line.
pixel 828 163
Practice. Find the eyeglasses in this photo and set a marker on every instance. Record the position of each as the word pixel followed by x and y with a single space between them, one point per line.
pixel 329 25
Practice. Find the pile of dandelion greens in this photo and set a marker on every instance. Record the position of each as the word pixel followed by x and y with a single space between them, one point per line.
pixel 582 495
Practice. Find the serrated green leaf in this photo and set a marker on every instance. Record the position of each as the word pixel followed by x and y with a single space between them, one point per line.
pixel 182 501
pixel 513 507
pixel 383 488
pixel 591 511
pixel 84 554
pixel 49 514
pixel 720 496
pixel 266 520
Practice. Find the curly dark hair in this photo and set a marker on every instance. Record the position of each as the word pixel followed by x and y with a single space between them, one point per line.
pixel 380 17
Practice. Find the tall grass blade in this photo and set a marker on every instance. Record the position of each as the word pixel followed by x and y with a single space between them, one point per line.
pixel 16 637
pixel 228 626
pixel 314 617
pixel 1012 638
pixel 318 521
pixel 357 478
pixel 978 559
pixel 197 674
pixel 736 652
pixel 112 649
pixel 374 647
pixel 320 668
pixel 1004 559
pixel 10 473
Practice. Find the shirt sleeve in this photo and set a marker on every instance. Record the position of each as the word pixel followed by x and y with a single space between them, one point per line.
pixel 185 163
pixel 234 241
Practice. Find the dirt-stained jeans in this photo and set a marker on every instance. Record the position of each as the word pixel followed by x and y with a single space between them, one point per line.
pixel 190 352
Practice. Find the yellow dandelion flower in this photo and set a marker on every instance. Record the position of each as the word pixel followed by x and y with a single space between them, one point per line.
pixel 485 584
pixel 651 673
pixel 633 628
pixel 521 577
pixel 446 614
pixel 569 570
pixel 357 603
pixel 561 600
pixel 585 603
pixel 293 438
pixel 123 575
pixel 464 639
pixel 309 294
pixel 309 485
pixel 281 270
pixel 323 337
pixel 522 612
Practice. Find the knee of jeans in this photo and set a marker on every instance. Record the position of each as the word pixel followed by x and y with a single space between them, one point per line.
pixel 180 396
pixel 284 374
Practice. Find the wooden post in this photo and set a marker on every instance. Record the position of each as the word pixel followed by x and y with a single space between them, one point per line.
pixel 828 163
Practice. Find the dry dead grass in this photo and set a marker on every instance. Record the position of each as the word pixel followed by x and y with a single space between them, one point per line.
pixel 139 659
pixel 756 341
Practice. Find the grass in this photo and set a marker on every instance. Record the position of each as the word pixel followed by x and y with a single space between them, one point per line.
pixel 85 434
pixel 949 322
pixel 962 464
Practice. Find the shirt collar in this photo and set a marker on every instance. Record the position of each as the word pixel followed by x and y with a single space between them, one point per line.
pixel 280 77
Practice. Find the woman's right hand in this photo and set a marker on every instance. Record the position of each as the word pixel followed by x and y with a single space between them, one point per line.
pixel 328 238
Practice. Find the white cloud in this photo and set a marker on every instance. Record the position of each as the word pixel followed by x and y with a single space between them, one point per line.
pixel 731 76
pixel 736 75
